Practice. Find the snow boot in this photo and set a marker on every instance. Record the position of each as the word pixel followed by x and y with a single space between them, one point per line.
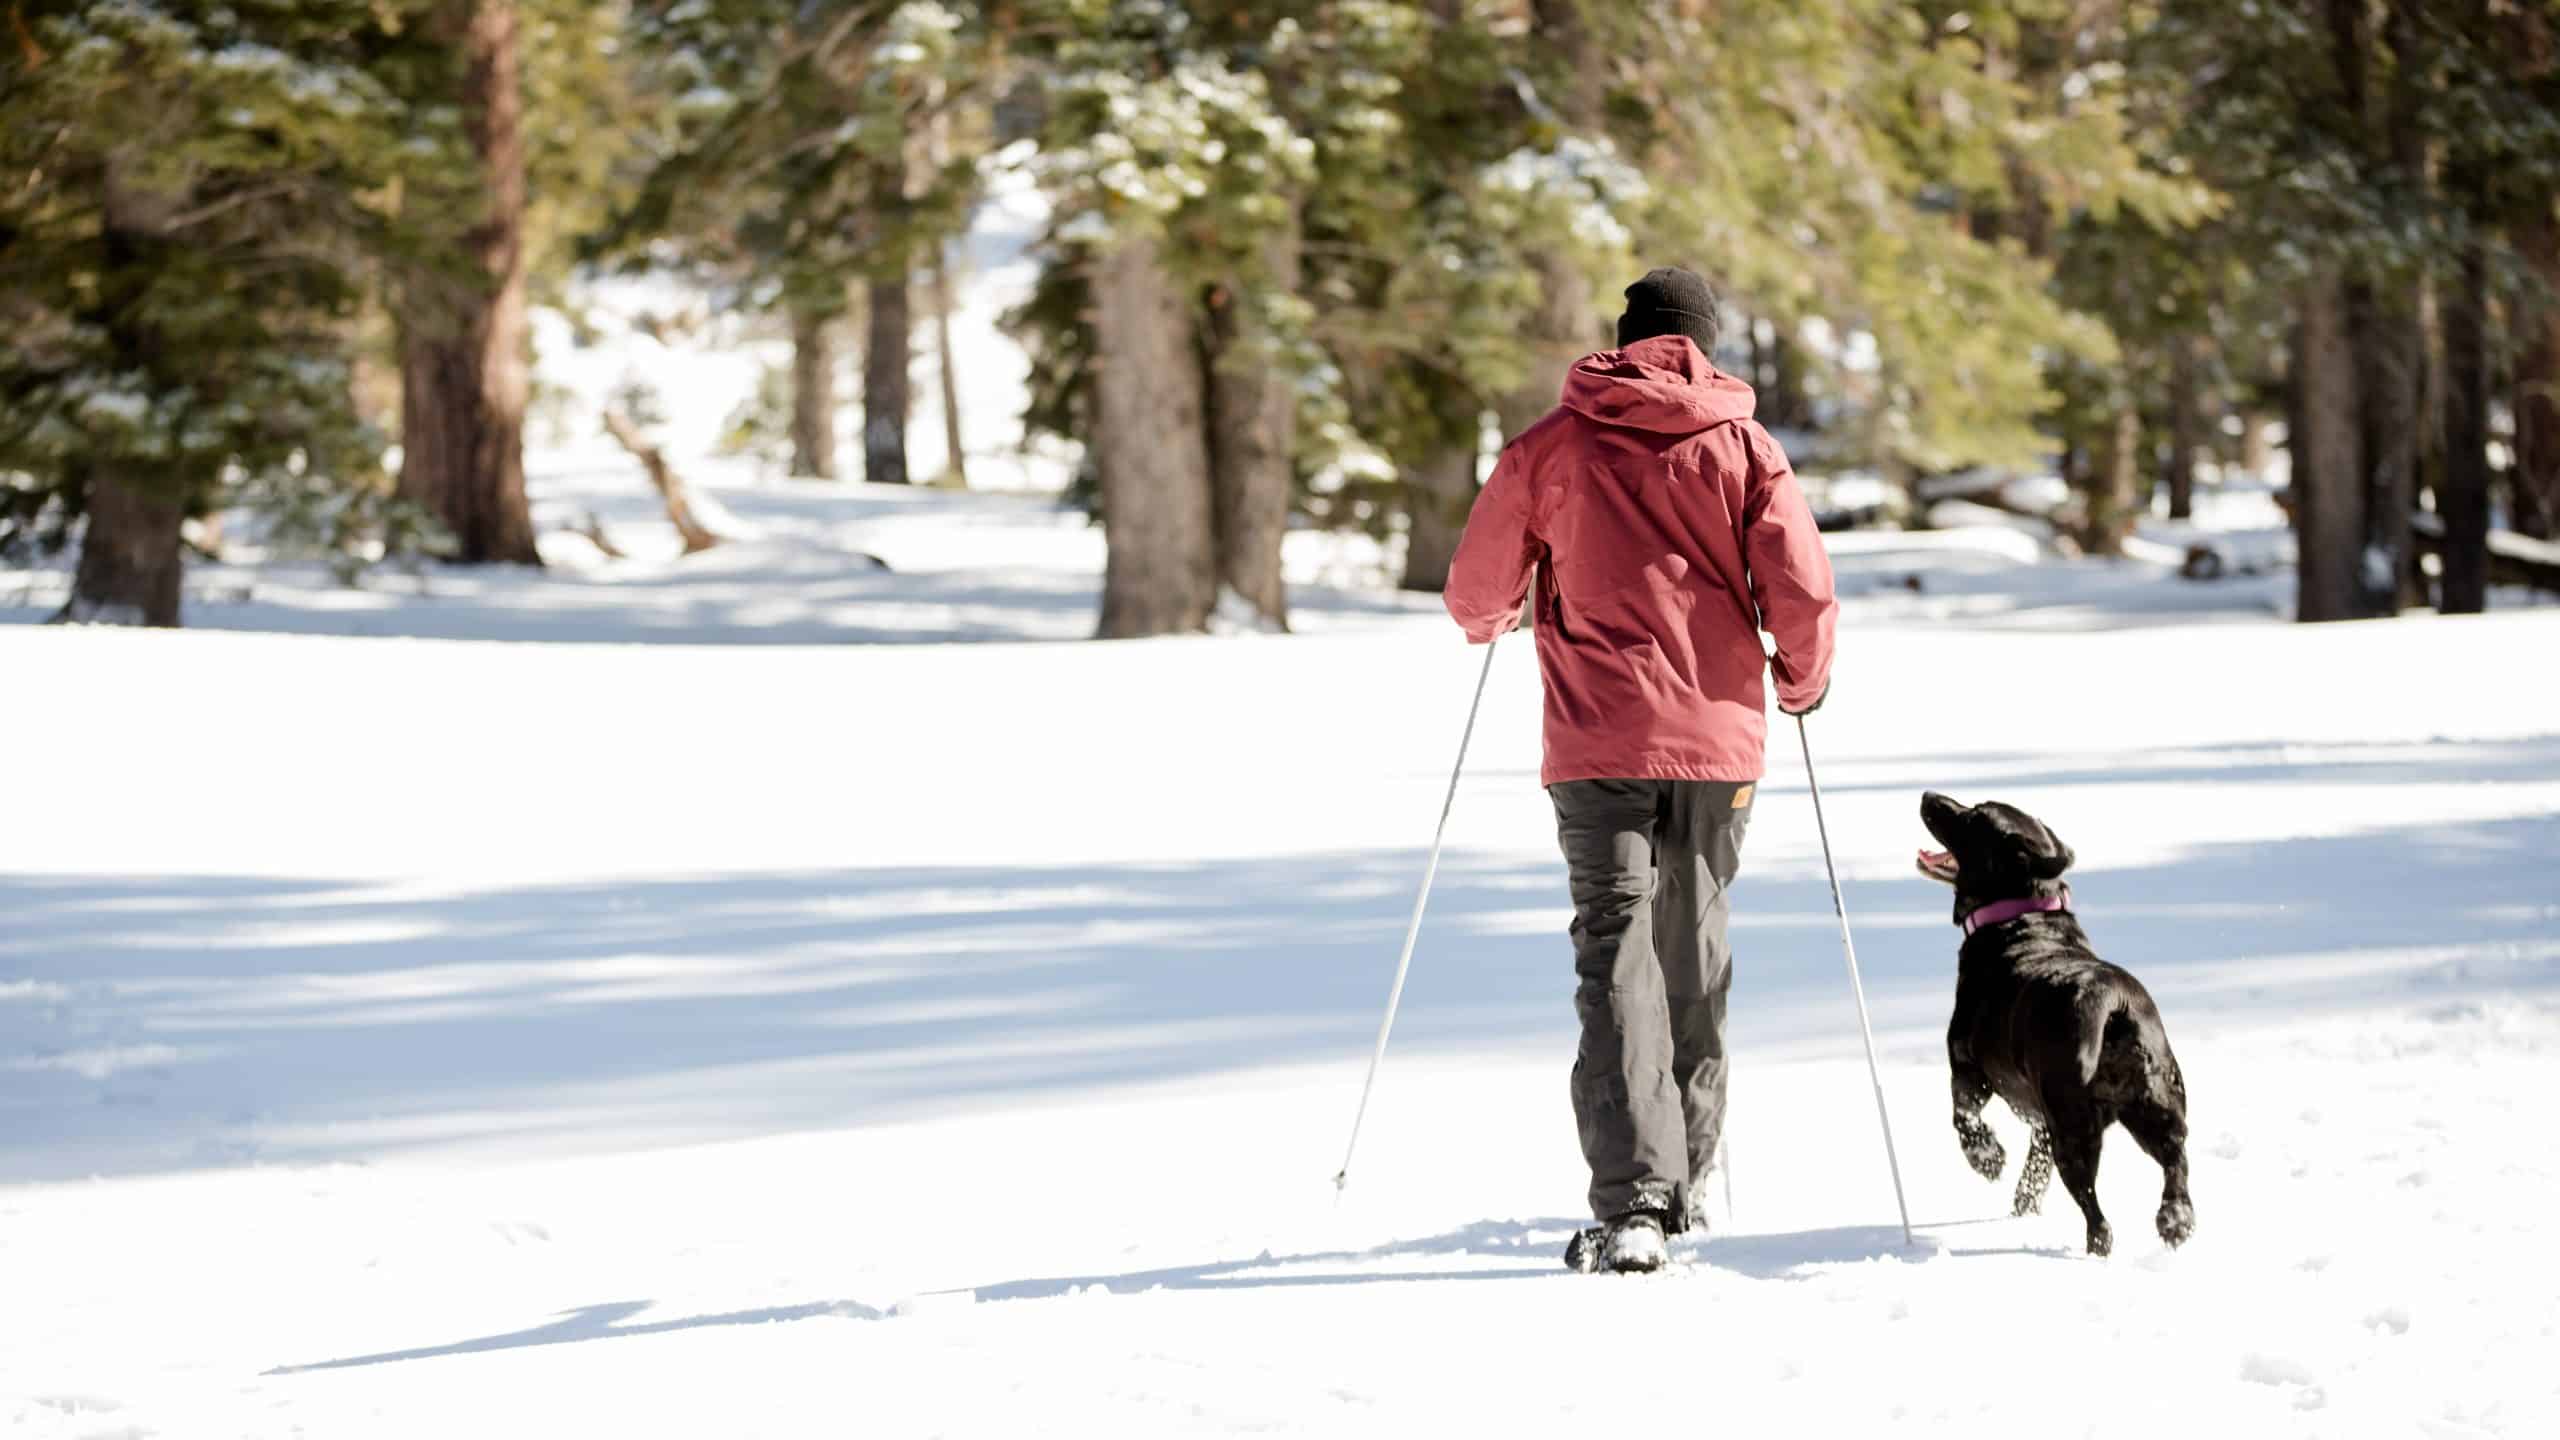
pixel 1635 1244
pixel 1631 1244
pixel 1693 1212
pixel 1582 1252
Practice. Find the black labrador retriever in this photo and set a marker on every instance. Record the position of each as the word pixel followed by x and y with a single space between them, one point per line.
pixel 2073 1043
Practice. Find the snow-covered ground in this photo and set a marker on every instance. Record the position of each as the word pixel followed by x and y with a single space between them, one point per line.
pixel 448 1033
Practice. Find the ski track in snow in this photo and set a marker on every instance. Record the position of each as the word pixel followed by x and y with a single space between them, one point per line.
pixel 630 1030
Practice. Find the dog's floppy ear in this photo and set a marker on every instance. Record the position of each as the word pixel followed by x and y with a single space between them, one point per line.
pixel 2050 867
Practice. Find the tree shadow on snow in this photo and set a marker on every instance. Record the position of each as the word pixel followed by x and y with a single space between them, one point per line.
pixel 592 1322
pixel 1805 1254
pixel 156 1023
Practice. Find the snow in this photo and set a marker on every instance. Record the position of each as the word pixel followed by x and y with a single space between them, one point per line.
pixel 1585 179
pixel 957 1038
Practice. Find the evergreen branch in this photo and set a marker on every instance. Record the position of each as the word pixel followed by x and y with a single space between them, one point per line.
pixel 227 203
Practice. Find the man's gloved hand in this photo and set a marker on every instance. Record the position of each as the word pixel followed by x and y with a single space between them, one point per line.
pixel 1809 709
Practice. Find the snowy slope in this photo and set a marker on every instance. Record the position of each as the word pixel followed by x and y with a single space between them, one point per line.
pixel 959 1038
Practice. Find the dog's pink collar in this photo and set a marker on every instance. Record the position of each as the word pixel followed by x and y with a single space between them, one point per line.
pixel 2001 911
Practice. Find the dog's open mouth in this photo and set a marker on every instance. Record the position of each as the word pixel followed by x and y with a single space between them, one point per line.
pixel 1938 865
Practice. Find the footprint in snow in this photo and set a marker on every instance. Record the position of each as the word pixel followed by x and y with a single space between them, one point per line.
pixel 2261 1368
pixel 79 1404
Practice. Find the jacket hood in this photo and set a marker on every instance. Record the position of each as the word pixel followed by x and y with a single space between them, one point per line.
pixel 1664 384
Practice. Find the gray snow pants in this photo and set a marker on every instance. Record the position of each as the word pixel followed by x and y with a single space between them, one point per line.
pixel 1650 862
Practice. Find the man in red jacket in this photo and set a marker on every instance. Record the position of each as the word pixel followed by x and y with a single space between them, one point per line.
pixel 1661 530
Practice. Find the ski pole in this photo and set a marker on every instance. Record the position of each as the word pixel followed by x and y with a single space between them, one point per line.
pixel 1856 986
pixel 1413 928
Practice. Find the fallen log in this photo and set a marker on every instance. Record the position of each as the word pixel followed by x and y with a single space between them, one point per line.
pixel 593 529
pixel 2513 559
pixel 671 487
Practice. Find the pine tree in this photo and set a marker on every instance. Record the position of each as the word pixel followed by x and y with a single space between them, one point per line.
pixel 2374 155
pixel 1891 180
pixel 194 195
pixel 798 167
pixel 2279 115
pixel 1179 172
pixel 1458 232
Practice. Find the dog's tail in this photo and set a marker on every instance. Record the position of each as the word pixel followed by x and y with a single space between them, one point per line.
pixel 2111 1017
pixel 2102 1010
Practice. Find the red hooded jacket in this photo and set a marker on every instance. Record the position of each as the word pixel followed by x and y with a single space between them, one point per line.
pixel 1663 529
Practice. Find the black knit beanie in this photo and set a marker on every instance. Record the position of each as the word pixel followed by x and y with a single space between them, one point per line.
pixel 1670 301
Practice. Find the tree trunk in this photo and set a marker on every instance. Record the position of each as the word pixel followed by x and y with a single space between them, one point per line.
pixel 462 355
pixel 2296 483
pixel 890 353
pixel 2328 460
pixel 2034 214
pixel 130 558
pixel 1785 406
pixel 1150 447
pixel 2463 498
pixel 1560 331
pixel 2386 342
pixel 954 441
pixel 2113 481
pixel 1563 327
pixel 1563 27
pixel 2184 427
pixel 2535 487
pixel 2072 467
pixel 1438 493
pixel 886 398
pixel 2382 317
pixel 1253 437
pixel 813 393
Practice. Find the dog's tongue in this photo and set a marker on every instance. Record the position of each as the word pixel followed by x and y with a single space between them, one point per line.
pixel 1940 864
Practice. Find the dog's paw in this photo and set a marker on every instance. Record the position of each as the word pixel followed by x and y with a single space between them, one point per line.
pixel 2177 1222
pixel 1982 1150
pixel 2033 1178
pixel 2102 1240
pixel 1987 1159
